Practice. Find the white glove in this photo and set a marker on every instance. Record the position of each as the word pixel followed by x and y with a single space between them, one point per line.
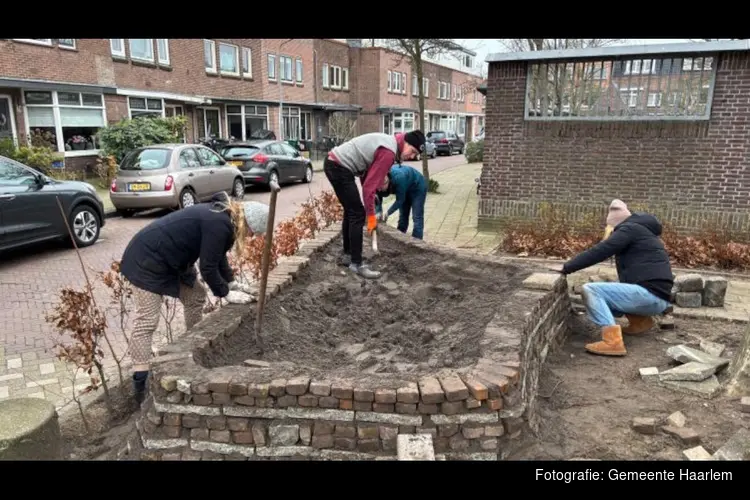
pixel 241 287
pixel 237 297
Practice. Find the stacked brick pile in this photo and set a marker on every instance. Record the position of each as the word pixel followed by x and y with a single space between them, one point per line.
pixel 693 291
pixel 268 412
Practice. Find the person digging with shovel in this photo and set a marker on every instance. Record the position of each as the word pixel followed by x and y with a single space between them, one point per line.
pixel 644 272
pixel 410 188
pixel 369 157
pixel 160 261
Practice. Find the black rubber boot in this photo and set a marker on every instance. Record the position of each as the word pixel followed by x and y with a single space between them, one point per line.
pixel 139 385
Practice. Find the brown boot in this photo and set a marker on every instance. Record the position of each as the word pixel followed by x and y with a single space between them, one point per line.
pixel 611 343
pixel 638 324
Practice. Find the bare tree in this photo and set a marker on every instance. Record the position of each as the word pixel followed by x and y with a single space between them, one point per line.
pixel 416 49
pixel 527 44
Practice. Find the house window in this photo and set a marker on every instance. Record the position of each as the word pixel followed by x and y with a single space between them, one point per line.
pixel 162 48
pixel 117 47
pixel 229 59
pixel 299 71
pixel 286 68
pixel 291 126
pixel 142 49
pixel 244 121
pixel 426 86
pixel 335 77
pixel 403 122
pixel 247 63
pixel 209 56
pixel 145 107
pixel 66 43
pixel 444 90
pixel 389 81
pixel 654 99
pixel 305 126
pixel 70 120
pixel 324 74
pixel 35 41
pixel 209 122
pixel 271 67
pixel 414 85
pixel 345 78
pixel 640 67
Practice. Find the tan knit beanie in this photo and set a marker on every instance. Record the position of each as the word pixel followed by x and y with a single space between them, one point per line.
pixel 618 212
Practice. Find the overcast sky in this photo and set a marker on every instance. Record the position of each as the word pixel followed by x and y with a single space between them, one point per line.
pixel 484 46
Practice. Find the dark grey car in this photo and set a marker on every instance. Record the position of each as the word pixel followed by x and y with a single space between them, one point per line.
pixel 263 161
pixel 29 212
pixel 446 142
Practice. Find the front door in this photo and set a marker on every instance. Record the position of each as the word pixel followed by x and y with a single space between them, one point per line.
pixel 171 110
pixel 7 124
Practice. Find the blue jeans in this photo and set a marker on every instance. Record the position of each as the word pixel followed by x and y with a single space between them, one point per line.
pixel 414 204
pixel 604 301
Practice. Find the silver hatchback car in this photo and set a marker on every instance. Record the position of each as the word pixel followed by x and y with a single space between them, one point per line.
pixel 172 176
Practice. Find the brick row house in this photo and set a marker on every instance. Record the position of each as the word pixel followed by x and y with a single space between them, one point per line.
pixel 306 89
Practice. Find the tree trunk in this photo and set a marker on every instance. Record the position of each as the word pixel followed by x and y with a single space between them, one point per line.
pixel 420 89
pixel 739 370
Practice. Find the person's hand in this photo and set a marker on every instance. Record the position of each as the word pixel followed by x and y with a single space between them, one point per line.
pixel 237 297
pixel 384 217
pixel 241 287
pixel 372 223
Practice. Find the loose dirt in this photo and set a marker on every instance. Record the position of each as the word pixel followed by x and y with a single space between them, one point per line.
pixel 426 311
pixel 588 402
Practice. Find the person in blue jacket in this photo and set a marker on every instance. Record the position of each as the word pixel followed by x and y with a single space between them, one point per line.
pixel 410 188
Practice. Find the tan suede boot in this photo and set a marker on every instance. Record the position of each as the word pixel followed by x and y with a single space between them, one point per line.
pixel 611 343
pixel 638 324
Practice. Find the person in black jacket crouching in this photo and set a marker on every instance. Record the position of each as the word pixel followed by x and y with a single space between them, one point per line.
pixel 644 273
pixel 160 260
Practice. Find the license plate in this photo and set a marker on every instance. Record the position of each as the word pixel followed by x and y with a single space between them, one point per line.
pixel 236 163
pixel 144 186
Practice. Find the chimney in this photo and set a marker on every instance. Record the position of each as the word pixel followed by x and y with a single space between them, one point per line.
pixel 354 42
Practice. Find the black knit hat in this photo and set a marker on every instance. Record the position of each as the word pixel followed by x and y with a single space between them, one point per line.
pixel 415 138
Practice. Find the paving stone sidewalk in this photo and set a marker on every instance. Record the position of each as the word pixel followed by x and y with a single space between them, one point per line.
pixel 451 219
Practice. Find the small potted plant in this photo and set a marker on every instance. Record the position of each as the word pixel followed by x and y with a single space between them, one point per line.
pixel 78 143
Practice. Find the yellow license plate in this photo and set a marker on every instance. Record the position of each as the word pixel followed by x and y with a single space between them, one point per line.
pixel 140 187
pixel 236 163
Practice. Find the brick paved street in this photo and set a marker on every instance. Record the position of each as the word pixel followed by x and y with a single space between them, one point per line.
pixel 30 281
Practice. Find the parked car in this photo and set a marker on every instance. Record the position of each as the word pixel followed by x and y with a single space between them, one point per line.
pixel 480 135
pixel 430 149
pixel 172 176
pixel 264 161
pixel 446 142
pixel 29 212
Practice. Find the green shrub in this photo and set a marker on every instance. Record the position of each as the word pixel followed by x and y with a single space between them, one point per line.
pixel 119 139
pixel 432 186
pixel 7 148
pixel 475 151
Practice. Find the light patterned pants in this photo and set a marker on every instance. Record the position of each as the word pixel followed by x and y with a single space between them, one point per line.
pixel 148 308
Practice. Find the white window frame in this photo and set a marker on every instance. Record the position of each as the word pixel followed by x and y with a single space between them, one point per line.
pixel 68 47
pixel 247 55
pixel 209 46
pixel 12 117
pixel 306 116
pixel 414 85
pixel 640 67
pixel 324 75
pixel 57 119
pixel 271 62
pixel 389 84
pixel 46 42
pixel 288 113
pixel 283 77
pixel 143 59
pixel 345 78
pixel 161 112
pixel 404 79
pixel 298 71
pixel 426 85
pixel 443 90
pixel 654 99
pixel 236 59
pixel 243 114
pixel 203 109
pixel 113 50
pixel 162 58
pixel 335 77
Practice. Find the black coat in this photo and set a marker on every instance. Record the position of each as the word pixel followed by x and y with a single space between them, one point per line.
pixel 639 253
pixel 163 254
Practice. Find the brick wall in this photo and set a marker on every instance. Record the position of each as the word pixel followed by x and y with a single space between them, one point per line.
pixel 685 172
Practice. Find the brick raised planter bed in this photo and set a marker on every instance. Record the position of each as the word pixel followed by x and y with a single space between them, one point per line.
pixel 475 395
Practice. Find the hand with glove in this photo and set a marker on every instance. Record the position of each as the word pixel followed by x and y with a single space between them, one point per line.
pixel 237 297
pixel 241 287
pixel 372 223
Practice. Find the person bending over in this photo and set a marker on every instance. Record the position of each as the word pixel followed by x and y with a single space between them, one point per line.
pixel 160 261
pixel 368 157
pixel 410 188
pixel 644 272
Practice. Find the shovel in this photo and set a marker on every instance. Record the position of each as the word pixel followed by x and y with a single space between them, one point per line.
pixel 265 263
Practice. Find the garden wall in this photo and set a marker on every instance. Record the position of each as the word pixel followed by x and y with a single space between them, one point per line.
pixel 273 411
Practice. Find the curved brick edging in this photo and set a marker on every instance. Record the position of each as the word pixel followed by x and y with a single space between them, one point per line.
pixel 276 411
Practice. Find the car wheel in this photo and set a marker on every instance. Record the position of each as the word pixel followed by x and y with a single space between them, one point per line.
pixel 85 224
pixel 308 175
pixel 273 177
pixel 238 189
pixel 187 198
